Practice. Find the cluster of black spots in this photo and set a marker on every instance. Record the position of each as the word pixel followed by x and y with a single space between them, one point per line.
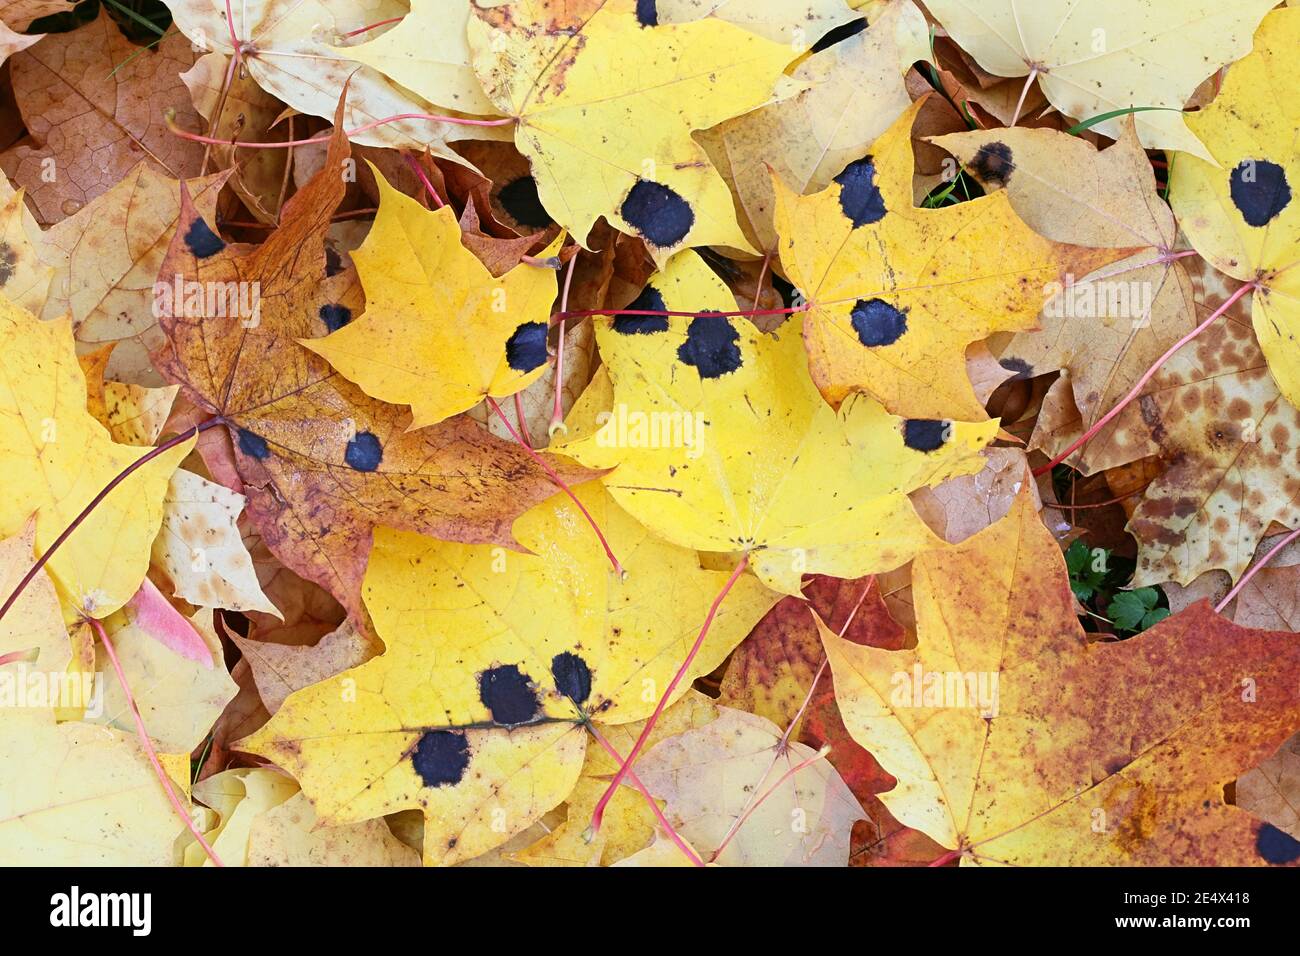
pixel 659 214
pixel 440 758
pixel 1018 365
pixel 877 322
pixel 526 347
pixel 841 33
pixel 859 197
pixel 1259 190
pixel 1276 846
pixel 572 676
pixel 711 346
pixel 519 198
pixel 647 13
pixel 364 453
pixel 252 444
pixel 509 695
pixel 335 316
pixel 8 262
pixel 926 434
pixel 993 163
pixel 650 300
pixel 202 241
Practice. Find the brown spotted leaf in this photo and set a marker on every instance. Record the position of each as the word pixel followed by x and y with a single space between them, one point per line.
pixel 93 103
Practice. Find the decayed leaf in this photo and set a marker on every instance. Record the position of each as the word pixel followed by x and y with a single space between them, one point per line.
pixel 292 53
pixel 238 798
pixel 439 331
pixel 1239 210
pixel 133 414
pixel 1271 791
pixel 486 737
pixel 711 776
pixel 281 669
pixel 33 629
pixel 896 293
pixel 61 458
pixel 1015 741
pixel 200 548
pixel 320 462
pixel 19 14
pixel 1107 329
pixel 1232 443
pixel 565 71
pixel 78 795
pixel 92 101
pixel 106 259
pixel 1109 54
pixel 723 444
pixel 808 139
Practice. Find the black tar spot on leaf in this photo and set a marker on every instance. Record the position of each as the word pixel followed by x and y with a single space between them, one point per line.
pixel 658 213
pixel 253 445
pixel 877 322
pixel 650 300
pixel 859 197
pixel 1259 190
pixel 440 758
pixel 526 348
pixel 647 13
pixel 710 346
pixel 508 694
pixel 1276 846
pixel 1018 365
pixel 572 676
pixel 840 34
pixel 925 434
pixel 335 316
pixel 993 163
pixel 520 199
pixel 202 241
pixel 364 453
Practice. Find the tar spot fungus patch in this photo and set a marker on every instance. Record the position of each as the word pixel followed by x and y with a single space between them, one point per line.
pixel 253 445
pixel 647 13
pixel 877 322
pixel 859 197
pixel 364 453
pixel 8 262
pixel 508 694
pixel 925 434
pixel 519 198
pixel 526 348
pixel 650 300
pixel 993 163
pixel 440 758
pixel 1021 368
pixel 841 33
pixel 202 241
pixel 572 676
pixel 658 213
pixel 1259 190
pixel 710 346
pixel 1276 846
pixel 335 316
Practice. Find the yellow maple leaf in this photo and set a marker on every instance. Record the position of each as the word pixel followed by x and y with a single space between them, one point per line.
pixel 1242 214
pixel 487 735
pixel 439 331
pixel 723 444
pixel 897 293
pixel 605 107
pixel 61 458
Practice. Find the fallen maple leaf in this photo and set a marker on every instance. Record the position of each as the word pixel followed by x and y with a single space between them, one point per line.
pixel 1016 741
